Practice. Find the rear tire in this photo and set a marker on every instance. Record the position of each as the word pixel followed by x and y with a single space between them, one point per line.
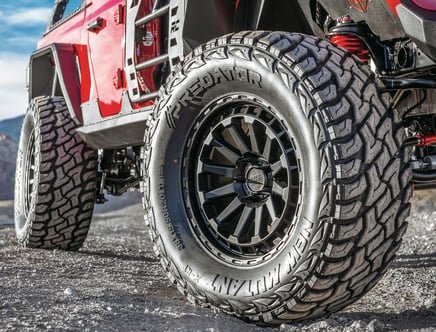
pixel 276 187
pixel 55 179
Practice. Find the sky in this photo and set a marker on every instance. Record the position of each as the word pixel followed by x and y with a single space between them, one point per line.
pixel 22 23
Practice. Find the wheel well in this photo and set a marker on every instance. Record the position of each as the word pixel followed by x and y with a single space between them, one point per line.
pixel 208 19
pixel 42 74
pixel 53 72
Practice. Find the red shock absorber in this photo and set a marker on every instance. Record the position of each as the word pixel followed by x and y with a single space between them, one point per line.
pixel 352 44
pixel 349 42
pixel 426 140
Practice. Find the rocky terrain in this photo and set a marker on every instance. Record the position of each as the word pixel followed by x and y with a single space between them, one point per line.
pixel 114 283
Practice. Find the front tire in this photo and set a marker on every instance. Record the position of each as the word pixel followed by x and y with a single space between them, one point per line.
pixel 55 179
pixel 275 185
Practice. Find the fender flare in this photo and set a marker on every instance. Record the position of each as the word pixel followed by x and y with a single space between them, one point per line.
pixel 53 71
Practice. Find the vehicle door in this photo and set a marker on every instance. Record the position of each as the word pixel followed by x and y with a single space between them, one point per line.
pixel 105 24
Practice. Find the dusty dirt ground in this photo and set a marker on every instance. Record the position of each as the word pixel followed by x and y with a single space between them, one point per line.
pixel 115 283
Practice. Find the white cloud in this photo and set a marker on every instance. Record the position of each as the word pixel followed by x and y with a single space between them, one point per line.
pixel 13 93
pixel 27 17
pixel 23 40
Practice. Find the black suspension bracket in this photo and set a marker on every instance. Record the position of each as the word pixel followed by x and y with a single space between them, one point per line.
pixel 380 52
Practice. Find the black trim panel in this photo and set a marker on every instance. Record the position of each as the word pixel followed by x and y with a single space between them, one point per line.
pixel 117 132
pixel 55 64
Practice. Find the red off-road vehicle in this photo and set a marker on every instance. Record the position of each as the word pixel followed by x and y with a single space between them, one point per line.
pixel 276 167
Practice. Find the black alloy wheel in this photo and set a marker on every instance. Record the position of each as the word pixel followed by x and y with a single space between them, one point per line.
pixel 243 180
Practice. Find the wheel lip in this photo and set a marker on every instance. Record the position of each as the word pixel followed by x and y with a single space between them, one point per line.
pixel 28 177
pixel 233 259
pixel 23 210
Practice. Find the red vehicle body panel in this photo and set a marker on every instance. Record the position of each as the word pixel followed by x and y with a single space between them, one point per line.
pixel 106 52
pixel 73 31
pixel 100 52
pixel 393 5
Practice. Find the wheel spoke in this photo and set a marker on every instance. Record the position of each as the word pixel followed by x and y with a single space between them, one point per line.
pixel 276 167
pixel 243 221
pixel 223 191
pixel 278 189
pixel 267 148
pixel 271 210
pixel 218 170
pixel 239 141
pixel 229 210
pixel 258 222
pixel 253 139
pixel 226 152
pixel 279 165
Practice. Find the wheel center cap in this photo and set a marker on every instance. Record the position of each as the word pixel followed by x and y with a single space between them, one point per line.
pixel 256 180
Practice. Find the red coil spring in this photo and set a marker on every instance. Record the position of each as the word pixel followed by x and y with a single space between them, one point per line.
pixel 353 45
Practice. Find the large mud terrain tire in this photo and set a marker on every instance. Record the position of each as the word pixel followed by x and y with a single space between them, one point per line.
pixel 55 179
pixel 275 186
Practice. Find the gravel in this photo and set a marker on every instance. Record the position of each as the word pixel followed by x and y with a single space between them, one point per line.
pixel 115 283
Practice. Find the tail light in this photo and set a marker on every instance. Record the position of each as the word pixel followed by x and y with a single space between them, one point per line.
pixel 426 4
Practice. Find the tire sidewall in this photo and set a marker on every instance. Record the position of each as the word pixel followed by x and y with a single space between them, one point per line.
pixel 178 112
pixel 23 218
